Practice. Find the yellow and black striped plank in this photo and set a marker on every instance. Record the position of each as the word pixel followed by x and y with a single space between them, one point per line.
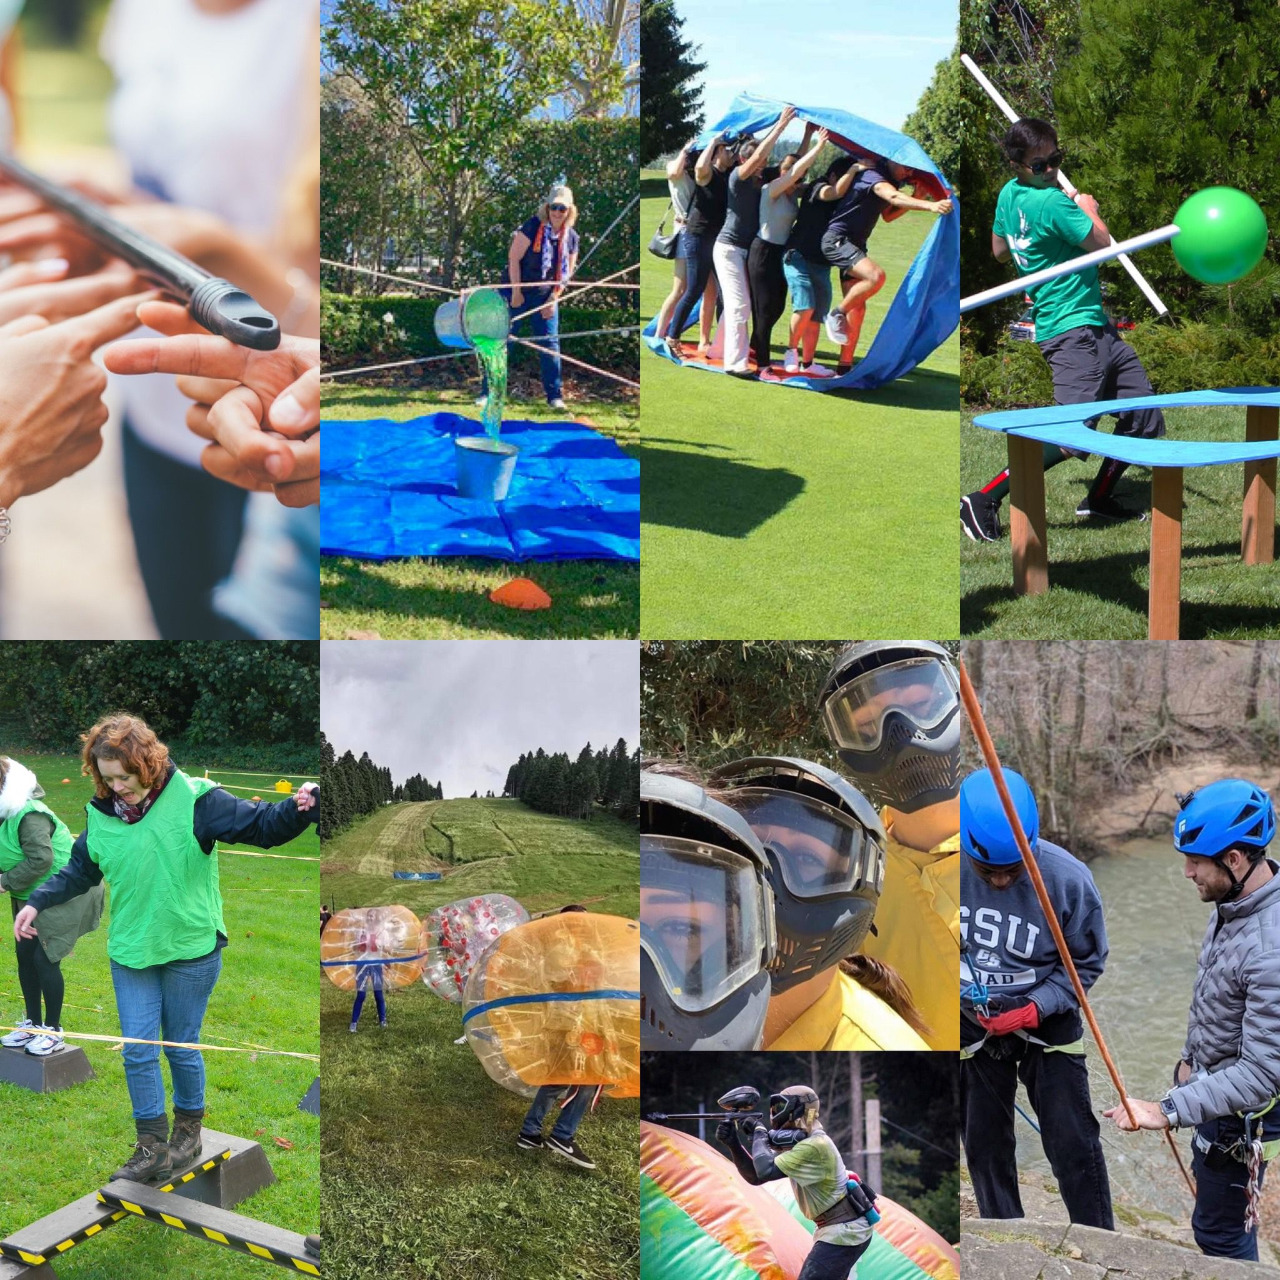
pixel 51 1236
pixel 207 1222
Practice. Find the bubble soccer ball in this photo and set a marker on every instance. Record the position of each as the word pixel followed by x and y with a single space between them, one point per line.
pixel 557 1001
pixel 455 936
pixel 357 936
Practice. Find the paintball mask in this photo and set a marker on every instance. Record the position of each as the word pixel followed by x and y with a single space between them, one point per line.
pixel 826 852
pixel 892 710
pixel 706 921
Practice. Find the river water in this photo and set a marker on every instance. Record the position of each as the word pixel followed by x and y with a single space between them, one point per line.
pixel 1155 924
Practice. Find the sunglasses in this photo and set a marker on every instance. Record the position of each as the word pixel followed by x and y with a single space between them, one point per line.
pixel 558 208
pixel 1049 162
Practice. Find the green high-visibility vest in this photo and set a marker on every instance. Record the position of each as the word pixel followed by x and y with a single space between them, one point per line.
pixel 165 903
pixel 11 851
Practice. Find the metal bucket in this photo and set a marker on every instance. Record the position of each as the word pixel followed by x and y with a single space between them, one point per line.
pixel 485 467
pixel 480 313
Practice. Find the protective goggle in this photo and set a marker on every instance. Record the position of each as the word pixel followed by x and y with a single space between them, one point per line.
pixel 924 690
pixel 706 919
pixel 821 850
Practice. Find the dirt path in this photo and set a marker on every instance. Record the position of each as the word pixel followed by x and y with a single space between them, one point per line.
pixel 401 836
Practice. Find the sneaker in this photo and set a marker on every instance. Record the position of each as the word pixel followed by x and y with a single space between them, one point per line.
pixel 791 361
pixel 354 1027
pixel 481 401
pixel 837 327
pixel 1107 509
pixel 741 373
pixel 571 1151
pixel 980 517
pixel 47 1040
pixel 461 1040
pixel 527 1143
pixel 557 403
pixel 816 371
pixel 382 1022
pixel 20 1035
pixel 150 1161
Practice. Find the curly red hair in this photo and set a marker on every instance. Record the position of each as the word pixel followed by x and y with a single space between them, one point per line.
pixel 131 741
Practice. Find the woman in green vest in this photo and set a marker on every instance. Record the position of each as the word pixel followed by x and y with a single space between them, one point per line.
pixel 151 835
pixel 34 845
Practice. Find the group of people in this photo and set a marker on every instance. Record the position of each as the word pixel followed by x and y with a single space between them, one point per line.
pixel 750 231
pixel 1021 1019
pixel 760 883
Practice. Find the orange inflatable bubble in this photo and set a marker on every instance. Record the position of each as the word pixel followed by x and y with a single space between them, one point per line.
pixel 362 938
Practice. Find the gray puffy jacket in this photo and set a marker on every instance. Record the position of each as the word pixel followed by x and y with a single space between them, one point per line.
pixel 1233 1031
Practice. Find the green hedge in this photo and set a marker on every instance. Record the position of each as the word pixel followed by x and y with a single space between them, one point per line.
pixel 1187 357
pixel 355 331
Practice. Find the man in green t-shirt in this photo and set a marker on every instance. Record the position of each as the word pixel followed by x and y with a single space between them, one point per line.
pixel 1037 226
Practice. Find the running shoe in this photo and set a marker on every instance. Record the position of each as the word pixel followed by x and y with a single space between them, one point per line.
pixel 980 517
pixel 816 371
pixel 527 1143
pixel 20 1035
pixel 571 1152
pixel 1107 509
pixel 791 361
pixel 557 403
pixel 837 327
pixel 47 1040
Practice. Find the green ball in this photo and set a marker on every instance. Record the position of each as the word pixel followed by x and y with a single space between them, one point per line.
pixel 1223 235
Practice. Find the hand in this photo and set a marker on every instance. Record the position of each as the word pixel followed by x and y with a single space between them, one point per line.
pixel 942 206
pixel 517 298
pixel 747 1129
pixel 548 311
pixel 1087 203
pixel 1147 1114
pixel 41 289
pixel 51 410
pixel 1022 1017
pixel 724 1132
pixel 24 924
pixel 305 796
pixel 820 139
pixel 788 115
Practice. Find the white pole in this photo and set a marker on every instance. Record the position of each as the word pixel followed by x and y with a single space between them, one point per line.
pixel 1145 241
pixel 873 1143
pixel 994 94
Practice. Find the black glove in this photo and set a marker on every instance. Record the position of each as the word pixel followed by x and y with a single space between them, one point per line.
pixel 747 1129
pixel 726 1133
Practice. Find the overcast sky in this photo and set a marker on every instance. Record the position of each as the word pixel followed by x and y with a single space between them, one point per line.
pixel 461 712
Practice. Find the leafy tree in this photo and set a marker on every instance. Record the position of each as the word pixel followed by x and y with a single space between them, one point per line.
pixel 670 95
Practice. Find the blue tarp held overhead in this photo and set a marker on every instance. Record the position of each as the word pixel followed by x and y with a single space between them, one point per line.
pixel 926 308
pixel 389 489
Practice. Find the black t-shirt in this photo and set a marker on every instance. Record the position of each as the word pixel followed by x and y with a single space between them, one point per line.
pixel 855 216
pixel 742 220
pixel 811 222
pixel 708 205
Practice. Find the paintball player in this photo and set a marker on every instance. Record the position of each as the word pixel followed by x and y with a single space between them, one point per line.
pixel 1228 1078
pixel 892 711
pixel 797 1147
pixel 1019 1017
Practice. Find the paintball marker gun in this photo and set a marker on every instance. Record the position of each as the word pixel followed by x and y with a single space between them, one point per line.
pixel 740 1103
pixel 216 304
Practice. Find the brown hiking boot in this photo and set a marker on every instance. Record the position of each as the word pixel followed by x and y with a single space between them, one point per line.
pixel 185 1143
pixel 150 1162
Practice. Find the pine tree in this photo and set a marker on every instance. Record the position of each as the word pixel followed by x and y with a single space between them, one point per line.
pixel 670 111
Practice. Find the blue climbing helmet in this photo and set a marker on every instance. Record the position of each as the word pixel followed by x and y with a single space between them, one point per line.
pixel 1225 815
pixel 985 834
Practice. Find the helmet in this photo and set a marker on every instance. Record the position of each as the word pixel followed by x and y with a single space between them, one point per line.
pixel 1224 815
pixel 796 1105
pixel 826 857
pixel 706 921
pixel 892 710
pixel 985 834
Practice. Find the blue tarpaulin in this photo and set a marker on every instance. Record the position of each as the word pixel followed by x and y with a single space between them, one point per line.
pixel 388 489
pixel 416 875
pixel 926 309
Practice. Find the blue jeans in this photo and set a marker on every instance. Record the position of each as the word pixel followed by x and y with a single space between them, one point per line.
pixel 164 1002
pixel 696 252
pixel 546 333
pixel 570 1114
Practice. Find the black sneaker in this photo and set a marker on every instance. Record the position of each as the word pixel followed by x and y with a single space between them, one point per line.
pixel 526 1143
pixel 312 1246
pixel 1107 509
pixel 571 1151
pixel 980 517
pixel 150 1161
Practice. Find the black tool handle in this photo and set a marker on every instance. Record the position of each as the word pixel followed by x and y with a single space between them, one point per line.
pixel 216 304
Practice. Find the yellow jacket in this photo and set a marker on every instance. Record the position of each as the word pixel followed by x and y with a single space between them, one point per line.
pixel 918 930
pixel 847 1016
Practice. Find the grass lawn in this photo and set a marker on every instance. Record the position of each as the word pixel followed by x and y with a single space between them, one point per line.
pixel 1099 572
pixel 422 1178
pixel 66 1144
pixel 770 512
pixel 448 598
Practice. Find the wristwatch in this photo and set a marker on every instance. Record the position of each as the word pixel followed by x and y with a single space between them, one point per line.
pixel 1170 1110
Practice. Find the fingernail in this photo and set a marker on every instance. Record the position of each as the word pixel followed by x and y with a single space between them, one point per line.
pixel 288 412
pixel 275 466
pixel 52 266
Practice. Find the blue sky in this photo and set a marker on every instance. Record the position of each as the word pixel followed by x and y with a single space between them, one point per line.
pixel 871 59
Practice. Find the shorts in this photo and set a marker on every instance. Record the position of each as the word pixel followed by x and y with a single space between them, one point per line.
pixel 809 282
pixel 842 253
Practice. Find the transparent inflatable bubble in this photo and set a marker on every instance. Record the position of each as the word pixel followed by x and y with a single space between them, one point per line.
pixel 557 1001
pixel 455 936
pixel 382 941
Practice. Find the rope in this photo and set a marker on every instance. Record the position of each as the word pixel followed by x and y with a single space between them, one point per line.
pixel 634 200
pixel 386 275
pixel 178 1044
pixel 604 373
pixel 244 773
pixel 575 291
pixel 254 853
pixel 471 288
pixel 974 711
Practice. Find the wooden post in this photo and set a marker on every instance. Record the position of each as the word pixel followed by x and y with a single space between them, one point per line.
pixel 873 1143
pixel 1027 516
pixel 1166 553
pixel 1258 521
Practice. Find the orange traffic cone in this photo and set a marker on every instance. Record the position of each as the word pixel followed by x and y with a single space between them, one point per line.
pixel 521 593
pixel 66 779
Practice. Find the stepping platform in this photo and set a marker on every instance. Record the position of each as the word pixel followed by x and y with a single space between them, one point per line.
pixel 311 1099
pixel 232 1230
pixel 229 1170
pixel 59 1070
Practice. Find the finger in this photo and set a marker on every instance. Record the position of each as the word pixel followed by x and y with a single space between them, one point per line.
pixel 222 466
pixel 113 320
pixel 30 232
pixel 204 390
pixel 169 318
pixel 40 271
pixel 297 408
pixel 198 421
pixel 236 421
pixel 200 355
pixel 23 324
pixel 62 300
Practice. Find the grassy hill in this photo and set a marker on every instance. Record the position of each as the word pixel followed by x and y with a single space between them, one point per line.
pixel 422 1178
